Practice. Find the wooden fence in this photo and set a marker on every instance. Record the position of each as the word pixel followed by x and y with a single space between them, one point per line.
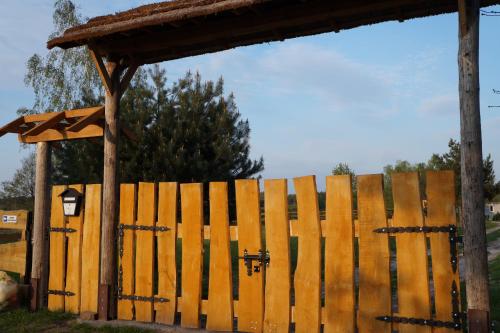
pixel 15 247
pixel 343 274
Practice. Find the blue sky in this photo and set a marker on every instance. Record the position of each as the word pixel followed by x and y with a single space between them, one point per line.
pixel 368 96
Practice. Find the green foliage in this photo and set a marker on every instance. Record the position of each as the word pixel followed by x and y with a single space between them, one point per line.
pixel 496 217
pixel 22 184
pixel 494 268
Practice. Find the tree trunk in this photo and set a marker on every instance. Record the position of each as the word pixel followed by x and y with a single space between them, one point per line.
pixel 473 217
pixel 107 285
pixel 40 263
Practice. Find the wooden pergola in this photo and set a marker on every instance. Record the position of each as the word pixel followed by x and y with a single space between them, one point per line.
pixel 171 30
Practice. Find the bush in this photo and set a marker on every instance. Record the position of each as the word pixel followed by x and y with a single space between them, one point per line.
pixel 496 217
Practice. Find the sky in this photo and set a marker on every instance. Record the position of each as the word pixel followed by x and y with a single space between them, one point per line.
pixel 368 96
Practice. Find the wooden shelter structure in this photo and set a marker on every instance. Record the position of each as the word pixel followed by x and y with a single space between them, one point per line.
pixel 175 29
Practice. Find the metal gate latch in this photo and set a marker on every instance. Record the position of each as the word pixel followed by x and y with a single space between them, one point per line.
pixel 262 259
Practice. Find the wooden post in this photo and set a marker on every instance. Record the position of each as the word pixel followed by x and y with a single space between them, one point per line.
pixel 107 301
pixel 40 267
pixel 475 250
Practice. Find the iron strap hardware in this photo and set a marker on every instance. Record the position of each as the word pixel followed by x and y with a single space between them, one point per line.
pixel 67 230
pixel 143 298
pixel 60 293
pixel 121 233
pixel 142 227
pixel 262 259
pixel 451 230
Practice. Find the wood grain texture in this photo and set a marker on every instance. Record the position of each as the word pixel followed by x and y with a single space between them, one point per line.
pixel 192 253
pixel 307 278
pixel 145 251
pixel 339 256
pixel 277 314
pixel 57 274
pixel 374 259
pixel 167 271
pixel 413 273
pixel 127 260
pixel 90 249
pixel 220 291
pixel 74 258
pixel 441 211
pixel 251 288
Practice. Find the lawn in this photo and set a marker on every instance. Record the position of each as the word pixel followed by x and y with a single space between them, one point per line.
pixel 22 321
pixel 495 289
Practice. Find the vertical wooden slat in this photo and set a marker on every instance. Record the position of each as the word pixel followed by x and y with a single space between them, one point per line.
pixel 128 217
pixel 220 291
pixel 91 252
pixel 57 252
pixel 374 259
pixel 74 259
pixel 441 212
pixel 307 276
pixel 144 263
pixel 167 271
pixel 251 288
pixel 192 253
pixel 339 256
pixel 413 273
pixel 278 285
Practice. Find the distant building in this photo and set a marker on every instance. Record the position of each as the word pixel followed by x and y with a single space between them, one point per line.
pixel 493 207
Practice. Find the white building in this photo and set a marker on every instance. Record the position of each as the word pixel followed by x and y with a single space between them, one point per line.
pixel 492 208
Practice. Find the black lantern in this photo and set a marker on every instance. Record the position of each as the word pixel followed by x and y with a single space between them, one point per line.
pixel 72 201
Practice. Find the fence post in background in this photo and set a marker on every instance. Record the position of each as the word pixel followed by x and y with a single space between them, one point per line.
pixel 40 267
pixel 475 251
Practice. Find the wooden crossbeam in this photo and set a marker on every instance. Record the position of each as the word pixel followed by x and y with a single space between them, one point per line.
pixel 125 81
pixel 91 131
pixel 49 123
pixel 69 114
pixel 12 126
pixel 87 120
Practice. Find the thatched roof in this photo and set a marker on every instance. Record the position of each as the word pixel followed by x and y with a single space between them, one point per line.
pixel 180 28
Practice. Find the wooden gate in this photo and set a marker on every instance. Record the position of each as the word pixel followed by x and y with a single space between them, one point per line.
pixel 356 270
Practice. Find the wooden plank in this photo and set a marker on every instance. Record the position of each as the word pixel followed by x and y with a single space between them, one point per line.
pixel 220 291
pixel 340 313
pixel 102 71
pixel 277 313
pixel 127 77
pixel 374 273
pixel 74 259
pixel 91 131
pixel 127 259
pixel 167 241
pixel 192 253
pixel 21 221
pixel 47 124
pixel 251 288
pixel 91 249
pixel 413 273
pixel 57 254
pixel 87 120
pixel 13 257
pixel 69 114
pixel 441 206
pixel 307 277
pixel 144 263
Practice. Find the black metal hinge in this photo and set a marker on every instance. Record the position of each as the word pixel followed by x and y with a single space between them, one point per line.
pixel 142 227
pixel 60 293
pixel 143 298
pixel 451 230
pixel 67 230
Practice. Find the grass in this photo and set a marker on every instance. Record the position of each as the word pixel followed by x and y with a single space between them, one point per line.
pixel 495 289
pixel 491 224
pixel 493 236
pixel 23 321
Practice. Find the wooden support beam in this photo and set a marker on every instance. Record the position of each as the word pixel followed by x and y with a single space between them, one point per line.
pixel 103 72
pixel 91 131
pixel 129 74
pixel 107 301
pixel 39 268
pixel 49 123
pixel 472 175
pixel 69 114
pixel 12 126
pixel 87 120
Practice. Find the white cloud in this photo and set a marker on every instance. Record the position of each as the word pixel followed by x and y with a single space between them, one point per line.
pixel 447 104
